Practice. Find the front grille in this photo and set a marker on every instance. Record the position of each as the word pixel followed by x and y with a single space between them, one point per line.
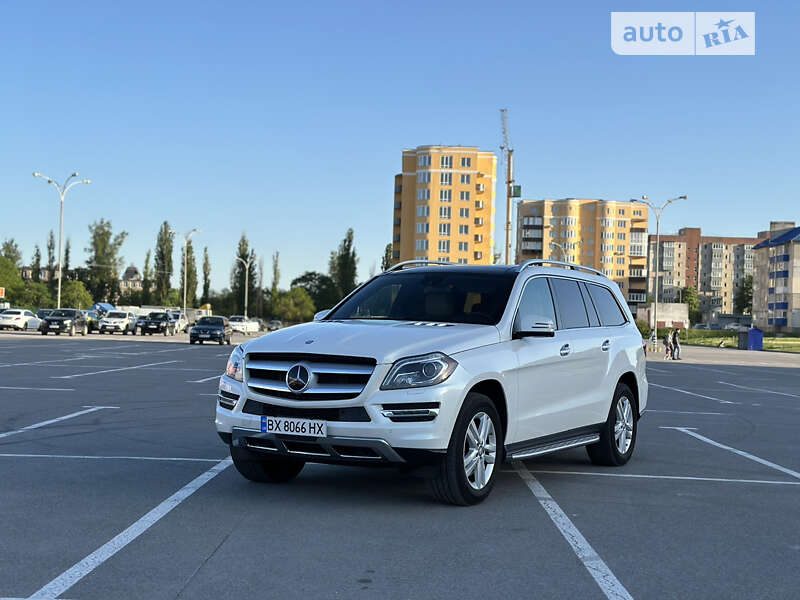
pixel 332 377
pixel 352 414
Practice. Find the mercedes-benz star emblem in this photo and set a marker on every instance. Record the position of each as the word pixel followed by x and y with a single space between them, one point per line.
pixel 297 378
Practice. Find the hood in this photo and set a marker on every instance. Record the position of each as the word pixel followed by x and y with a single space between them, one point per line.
pixel 385 341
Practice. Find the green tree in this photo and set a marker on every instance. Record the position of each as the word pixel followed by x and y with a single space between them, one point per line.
pixel 386 261
pixel 323 290
pixel 75 295
pixel 163 263
pixel 294 306
pixel 147 280
pixel 692 303
pixel 10 279
pixel 743 301
pixel 36 265
pixel 343 264
pixel 67 249
pixel 238 278
pixel 206 276
pixel 11 251
pixel 104 261
pixel 51 257
pixel 191 276
pixel 35 296
pixel 131 298
pixel 174 298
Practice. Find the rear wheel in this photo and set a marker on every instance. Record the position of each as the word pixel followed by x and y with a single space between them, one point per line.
pixel 618 435
pixel 72 331
pixel 468 471
pixel 265 470
pixel 85 330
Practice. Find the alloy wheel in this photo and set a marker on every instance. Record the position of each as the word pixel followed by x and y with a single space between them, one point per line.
pixel 623 427
pixel 480 450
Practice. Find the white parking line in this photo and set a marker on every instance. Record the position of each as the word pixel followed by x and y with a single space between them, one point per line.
pixel 56 420
pixel 598 569
pixel 204 380
pixel 649 368
pixel 81 569
pixel 688 393
pixel 668 477
pixel 42 362
pixel 88 457
pixel 113 370
pixel 38 389
pixel 752 389
pixel 683 412
pixel 747 455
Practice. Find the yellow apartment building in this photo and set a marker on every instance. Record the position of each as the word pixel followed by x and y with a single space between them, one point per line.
pixel 444 205
pixel 606 235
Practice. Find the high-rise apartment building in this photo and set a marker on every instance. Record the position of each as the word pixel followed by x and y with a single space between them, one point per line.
pixel 715 266
pixel 606 235
pixel 444 205
pixel 776 284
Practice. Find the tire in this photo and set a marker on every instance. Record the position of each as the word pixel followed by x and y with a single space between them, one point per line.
pixel 191 342
pixel 200 342
pixel 265 470
pixel 229 341
pixel 72 331
pixel 453 484
pixel 85 331
pixel 608 451
pixel 221 341
pixel 44 333
pixel 124 332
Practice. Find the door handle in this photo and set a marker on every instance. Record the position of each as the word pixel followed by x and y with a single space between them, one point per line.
pixel 605 346
pixel 565 350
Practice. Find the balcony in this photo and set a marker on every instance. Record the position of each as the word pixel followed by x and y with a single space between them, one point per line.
pixel 637 297
pixel 638 273
pixel 479 205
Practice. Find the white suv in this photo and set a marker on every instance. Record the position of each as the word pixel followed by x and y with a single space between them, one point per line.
pixel 443 370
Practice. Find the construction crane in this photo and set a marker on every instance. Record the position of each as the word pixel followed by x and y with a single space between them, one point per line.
pixel 508 152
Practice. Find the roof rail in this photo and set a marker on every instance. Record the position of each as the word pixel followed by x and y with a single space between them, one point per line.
pixel 573 266
pixel 407 263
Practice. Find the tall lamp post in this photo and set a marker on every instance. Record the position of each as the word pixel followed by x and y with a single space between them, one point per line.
pixel 246 264
pixel 185 266
pixel 62 192
pixel 658 210
pixel 562 249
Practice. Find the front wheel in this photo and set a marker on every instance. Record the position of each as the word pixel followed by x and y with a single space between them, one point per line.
pixel 85 331
pixel 265 470
pixel 618 434
pixel 468 471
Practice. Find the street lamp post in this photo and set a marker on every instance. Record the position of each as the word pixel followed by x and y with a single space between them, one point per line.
pixel 246 264
pixel 563 250
pixel 62 192
pixel 658 210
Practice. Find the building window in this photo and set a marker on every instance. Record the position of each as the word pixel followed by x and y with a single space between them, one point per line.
pixel 620 248
pixel 620 223
pixel 421 244
pixel 462 261
pixel 444 212
pixel 423 228
pixel 466 161
pixel 478 255
pixel 465 196
pixel 463 213
pixel 607 222
pixel 463 229
pixel 445 259
pixel 444 245
pixel 423 195
pixel 424 160
pixel 424 177
pixel 445 195
pixel 463 247
pixel 478 221
pixel 620 236
pixel 423 211
pixel 465 179
pixel 446 178
pixel 444 229
pixel 621 260
pixel 447 162
pixel 637 213
pixel 622 211
pixel 478 238
pixel 608 235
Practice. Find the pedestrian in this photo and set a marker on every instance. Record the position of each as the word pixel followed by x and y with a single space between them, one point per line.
pixel 667 345
pixel 676 344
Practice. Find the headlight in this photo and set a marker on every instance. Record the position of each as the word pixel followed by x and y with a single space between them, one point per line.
pixel 419 371
pixel 68 322
pixel 235 367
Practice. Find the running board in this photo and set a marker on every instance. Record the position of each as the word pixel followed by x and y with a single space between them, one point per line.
pixel 581 440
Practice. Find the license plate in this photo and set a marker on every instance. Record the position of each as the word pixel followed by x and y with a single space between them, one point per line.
pixel 205 335
pixel 292 426
pixel 152 326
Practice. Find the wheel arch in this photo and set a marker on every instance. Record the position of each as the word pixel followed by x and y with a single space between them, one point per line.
pixel 629 379
pixel 493 389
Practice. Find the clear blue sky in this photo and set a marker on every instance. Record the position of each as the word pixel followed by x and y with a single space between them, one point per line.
pixel 286 120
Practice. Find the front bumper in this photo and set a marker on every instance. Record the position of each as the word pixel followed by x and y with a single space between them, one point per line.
pixel 206 335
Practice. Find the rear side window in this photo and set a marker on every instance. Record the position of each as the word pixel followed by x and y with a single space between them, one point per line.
pixel 607 307
pixel 571 310
pixel 594 321
pixel 536 302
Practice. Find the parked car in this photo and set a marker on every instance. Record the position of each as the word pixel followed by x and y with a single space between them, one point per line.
pixel 93 319
pixel 179 321
pixel 700 326
pixel 15 318
pixel 65 320
pixel 139 323
pixel 442 370
pixel 211 329
pixel 274 325
pixel 116 320
pixel 158 322
pixel 243 324
pixel 715 327
pixel 43 312
pixel 734 327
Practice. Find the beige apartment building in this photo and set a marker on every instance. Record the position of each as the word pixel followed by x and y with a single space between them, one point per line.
pixel 606 235
pixel 776 283
pixel 444 205
pixel 715 266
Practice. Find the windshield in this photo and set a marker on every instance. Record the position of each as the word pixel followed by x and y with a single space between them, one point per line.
pixel 11 312
pixel 236 319
pixel 441 295
pixel 214 321
pixel 63 313
pixel 116 315
pixel 158 316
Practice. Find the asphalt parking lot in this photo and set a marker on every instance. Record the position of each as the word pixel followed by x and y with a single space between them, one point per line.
pixel 115 485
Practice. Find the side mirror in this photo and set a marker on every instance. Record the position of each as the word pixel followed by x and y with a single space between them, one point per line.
pixel 322 314
pixel 533 326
